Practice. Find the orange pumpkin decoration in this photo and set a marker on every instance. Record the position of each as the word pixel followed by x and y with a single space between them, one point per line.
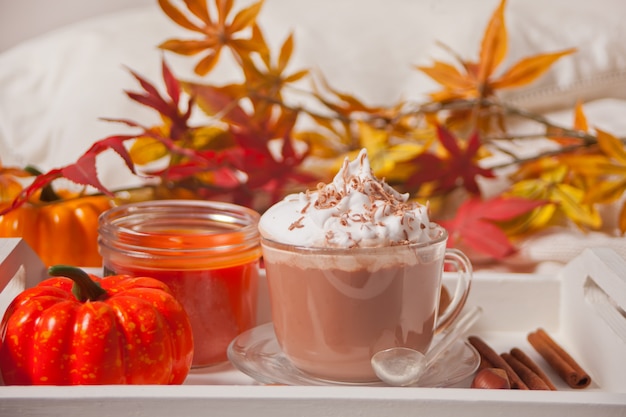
pixel 61 232
pixel 61 226
pixel 79 329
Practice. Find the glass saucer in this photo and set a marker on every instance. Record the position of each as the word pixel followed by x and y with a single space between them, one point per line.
pixel 257 354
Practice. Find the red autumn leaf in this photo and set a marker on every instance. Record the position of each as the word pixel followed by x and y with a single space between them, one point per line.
pixel 252 130
pixel 40 182
pixel 217 100
pixel 168 107
pixel 475 223
pixel 220 164
pixel 266 173
pixel 223 177
pixel 459 167
pixel 171 83
pixel 82 172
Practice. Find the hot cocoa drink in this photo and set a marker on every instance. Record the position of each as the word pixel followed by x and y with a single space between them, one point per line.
pixel 331 321
pixel 354 268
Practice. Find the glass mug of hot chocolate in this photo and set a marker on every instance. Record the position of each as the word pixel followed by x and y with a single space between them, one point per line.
pixel 354 268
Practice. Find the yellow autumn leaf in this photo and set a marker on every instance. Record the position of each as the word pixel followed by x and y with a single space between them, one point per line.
pixel 537 219
pixel 554 176
pixel 401 155
pixel 210 137
pixel 375 140
pixel 319 145
pixel 570 202
pixel 533 221
pixel 386 159
pixel 146 149
pixel 567 200
pixel 534 169
pixel 533 189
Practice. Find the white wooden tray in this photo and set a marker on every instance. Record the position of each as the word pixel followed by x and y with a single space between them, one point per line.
pixel 582 308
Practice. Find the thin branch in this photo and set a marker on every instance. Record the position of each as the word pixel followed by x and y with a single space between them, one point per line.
pixel 555 152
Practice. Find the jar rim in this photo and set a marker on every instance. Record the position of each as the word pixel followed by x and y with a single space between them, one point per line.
pixel 169 227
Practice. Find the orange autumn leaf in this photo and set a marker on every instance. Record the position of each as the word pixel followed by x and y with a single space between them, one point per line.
pixel 343 104
pixel 580 120
pixel 449 75
pixel 612 147
pixel 493 46
pixel 477 79
pixel 606 192
pixel 269 80
pixel 607 169
pixel 179 17
pixel 341 138
pixel 218 33
pixel 607 166
pixel 528 70
pixel 580 123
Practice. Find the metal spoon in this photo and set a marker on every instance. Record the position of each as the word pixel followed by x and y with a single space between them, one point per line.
pixel 401 366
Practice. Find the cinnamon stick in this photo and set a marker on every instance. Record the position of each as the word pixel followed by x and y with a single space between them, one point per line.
pixel 484 362
pixel 531 379
pixel 521 356
pixel 564 365
pixel 497 361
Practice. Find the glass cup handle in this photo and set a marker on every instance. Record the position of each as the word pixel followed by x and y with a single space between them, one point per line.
pixel 463 267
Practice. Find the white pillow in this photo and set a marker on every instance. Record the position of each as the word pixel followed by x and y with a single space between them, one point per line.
pixel 53 89
pixel 598 68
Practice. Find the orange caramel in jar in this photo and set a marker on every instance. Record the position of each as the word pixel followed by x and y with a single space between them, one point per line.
pixel 206 252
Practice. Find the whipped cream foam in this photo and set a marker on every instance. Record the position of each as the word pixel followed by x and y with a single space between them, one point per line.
pixel 355 210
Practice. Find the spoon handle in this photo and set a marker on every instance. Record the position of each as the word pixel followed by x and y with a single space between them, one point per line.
pixel 454 332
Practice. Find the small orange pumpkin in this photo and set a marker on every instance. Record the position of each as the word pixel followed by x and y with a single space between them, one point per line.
pixel 60 225
pixel 61 232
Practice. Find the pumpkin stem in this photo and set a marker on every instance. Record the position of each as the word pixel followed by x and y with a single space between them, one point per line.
pixel 84 289
pixel 47 193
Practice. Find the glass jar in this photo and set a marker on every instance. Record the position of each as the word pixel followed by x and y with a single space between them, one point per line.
pixel 206 252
